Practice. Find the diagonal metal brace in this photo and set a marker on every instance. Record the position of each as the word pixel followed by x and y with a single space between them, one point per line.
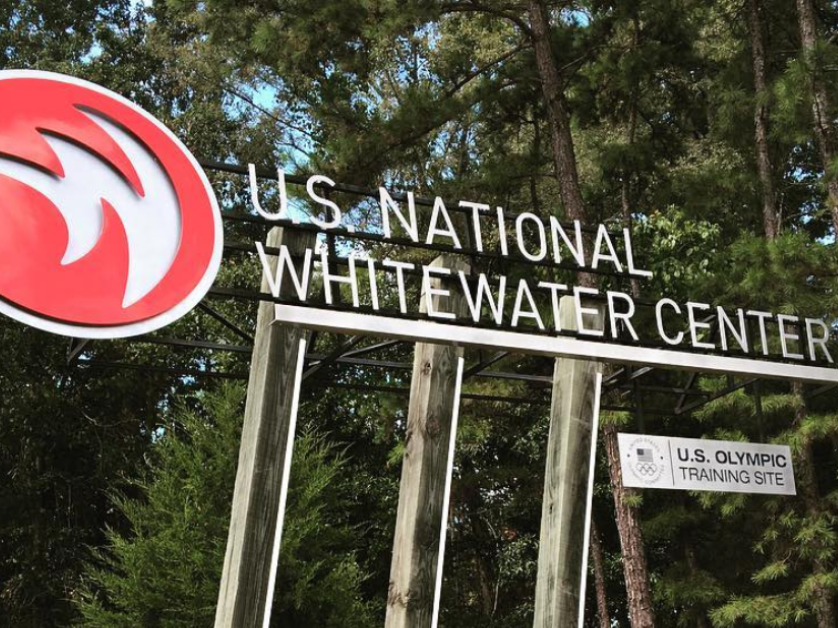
pixel 484 364
pixel 225 321
pixel 336 353
pixel 77 345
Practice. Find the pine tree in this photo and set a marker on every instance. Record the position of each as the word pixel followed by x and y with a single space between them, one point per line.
pixel 756 29
pixel 822 117
pixel 798 536
pixel 165 572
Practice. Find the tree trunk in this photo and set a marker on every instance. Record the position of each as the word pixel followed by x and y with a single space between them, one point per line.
pixel 39 533
pixel 824 131
pixel 536 157
pixel 638 591
pixel 482 565
pixel 487 597
pixel 701 620
pixel 824 601
pixel 770 215
pixel 564 156
pixel 625 188
pixel 599 578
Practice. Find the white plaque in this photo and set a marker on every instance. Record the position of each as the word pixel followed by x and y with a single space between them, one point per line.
pixel 691 464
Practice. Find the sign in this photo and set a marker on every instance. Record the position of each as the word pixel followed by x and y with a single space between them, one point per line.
pixel 705 465
pixel 365 295
pixel 111 229
pixel 108 225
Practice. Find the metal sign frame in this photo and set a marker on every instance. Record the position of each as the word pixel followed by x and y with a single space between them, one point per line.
pixel 637 360
pixel 323 319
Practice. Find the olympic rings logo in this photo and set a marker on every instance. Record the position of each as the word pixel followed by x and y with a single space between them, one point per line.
pixel 646 469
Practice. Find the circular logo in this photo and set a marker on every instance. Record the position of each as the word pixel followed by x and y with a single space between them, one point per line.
pixel 108 226
pixel 646 461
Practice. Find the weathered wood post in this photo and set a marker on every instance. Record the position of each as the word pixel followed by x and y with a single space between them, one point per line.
pixel 413 571
pixel 563 511
pixel 246 582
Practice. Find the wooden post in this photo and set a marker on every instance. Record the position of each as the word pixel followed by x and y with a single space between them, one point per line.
pixel 246 582
pixel 563 510
pixel 413 571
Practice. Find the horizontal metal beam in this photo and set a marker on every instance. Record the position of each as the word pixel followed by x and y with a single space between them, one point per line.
pixel 552 346
pixel 167 370
pixel 722 393
pixel 365 236
pixel 401 390
pixel 321 360
pixel 372 348
pixel 407 366
pixel 349 358
pixel 332 357
pixel 667 390
pixel 820 391
pixel 314 384
pixel 194 344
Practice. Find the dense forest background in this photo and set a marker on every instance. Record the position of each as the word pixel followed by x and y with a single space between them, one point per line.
pixel 708 126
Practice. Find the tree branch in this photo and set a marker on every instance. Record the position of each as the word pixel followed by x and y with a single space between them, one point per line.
pixel 480 71
pixel 237 94
pixel 506 12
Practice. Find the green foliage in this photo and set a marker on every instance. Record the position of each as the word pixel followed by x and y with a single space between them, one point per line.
pixel 165 571
pixel 680 249
pixel 792 275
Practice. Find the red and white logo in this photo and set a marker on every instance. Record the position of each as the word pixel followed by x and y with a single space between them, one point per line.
pixel 108 226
